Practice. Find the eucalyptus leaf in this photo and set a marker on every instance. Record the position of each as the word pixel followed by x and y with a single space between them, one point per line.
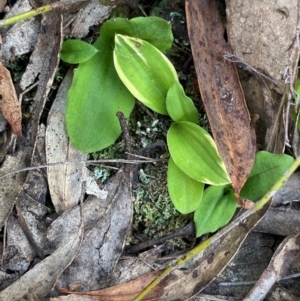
pixel 179 106
pixel 216 209
pixel 145 71
pixel 154 30
pixel 185 193
pixel 195 153
pixel 77 51
pixel 96 95
pixel 267 169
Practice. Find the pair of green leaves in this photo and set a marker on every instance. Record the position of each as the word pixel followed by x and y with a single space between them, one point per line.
pixel 218 204
pixel 97 93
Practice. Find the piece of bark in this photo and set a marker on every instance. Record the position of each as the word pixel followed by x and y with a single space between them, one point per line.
pixel 264 35
pixel 93 13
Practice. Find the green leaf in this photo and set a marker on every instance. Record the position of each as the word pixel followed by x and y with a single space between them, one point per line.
pixel 96 95
pixel 185 193
pixel 267 169
pixel 145 71
pixel 154 30
pixel 77 51
pixel 179 106
pixel 195 153
pixel 216 209
pixel 297 95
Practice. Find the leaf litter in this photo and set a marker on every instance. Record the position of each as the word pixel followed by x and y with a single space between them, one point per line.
pixel 99 250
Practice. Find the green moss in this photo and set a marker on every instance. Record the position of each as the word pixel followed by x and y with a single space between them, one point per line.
pixel 155 214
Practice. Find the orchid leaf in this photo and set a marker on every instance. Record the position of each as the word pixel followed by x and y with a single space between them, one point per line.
pixel 179 106
pixel 145 71
pixel 216 209
pixel 195 153
pixel 267 169
pixel 185 193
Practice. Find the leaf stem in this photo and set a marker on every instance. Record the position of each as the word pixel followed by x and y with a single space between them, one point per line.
pixel 29 14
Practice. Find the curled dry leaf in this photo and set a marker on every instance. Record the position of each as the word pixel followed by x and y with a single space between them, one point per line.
pixel 9 103
pixel 210 260
pixel 65 181
pixel 221 91
pixel 122 292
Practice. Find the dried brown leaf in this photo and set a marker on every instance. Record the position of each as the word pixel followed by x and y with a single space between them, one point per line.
pixel 221 91
pixel 65 181
pixel 9 103
pixel 122 292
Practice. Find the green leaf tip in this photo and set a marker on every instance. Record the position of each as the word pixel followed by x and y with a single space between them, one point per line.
pixel 179 106
pixel 77 51
pixel 145 71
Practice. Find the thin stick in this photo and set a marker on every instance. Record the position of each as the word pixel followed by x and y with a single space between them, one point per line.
pixel 234 59
pixel 35 12
pixel 87 162
pixel 27 232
